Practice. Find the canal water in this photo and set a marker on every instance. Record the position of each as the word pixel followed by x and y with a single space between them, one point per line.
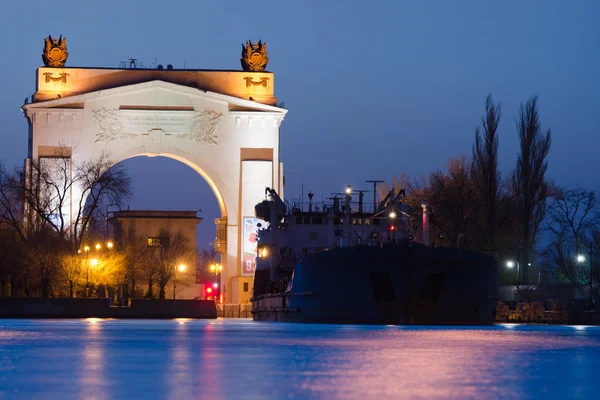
pixel 242 359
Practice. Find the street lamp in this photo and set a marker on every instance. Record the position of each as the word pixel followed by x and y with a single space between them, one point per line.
pixel 180 268
pixel 349 189
pixel 94 262
pixel 511 264
pixel 87 270
pixel 581 260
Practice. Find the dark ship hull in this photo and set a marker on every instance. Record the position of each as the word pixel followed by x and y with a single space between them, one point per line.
pixel 390 284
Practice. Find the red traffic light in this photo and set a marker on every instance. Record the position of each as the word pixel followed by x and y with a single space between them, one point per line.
pixel 392 228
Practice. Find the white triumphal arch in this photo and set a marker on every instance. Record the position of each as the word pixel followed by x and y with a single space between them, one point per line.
pixel 223 124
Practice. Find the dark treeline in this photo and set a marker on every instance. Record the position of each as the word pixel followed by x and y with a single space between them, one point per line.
pixel 474 205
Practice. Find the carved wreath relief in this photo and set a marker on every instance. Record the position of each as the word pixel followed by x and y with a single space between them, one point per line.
pixel 109 122
pixel 203 128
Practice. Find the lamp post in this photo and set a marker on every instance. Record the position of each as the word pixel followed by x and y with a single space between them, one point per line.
pixel 581 260
pixel 93 262
pixel 87 268
pixel 511 264
pixel 348 192
pixel 591 276
pixel 180 268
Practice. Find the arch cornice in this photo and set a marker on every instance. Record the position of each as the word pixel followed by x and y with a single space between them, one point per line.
pixel 247 105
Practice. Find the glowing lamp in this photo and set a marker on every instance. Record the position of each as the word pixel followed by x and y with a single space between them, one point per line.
pixel 392 215
pixel 94 262
pixel 209 290
pixel 215 285
pixel 98 246
pixel 86 248
pixel 109 245
pixel 213 267
pixel 349 189
pixel 510 264
pixel 181 267
pixel 580 258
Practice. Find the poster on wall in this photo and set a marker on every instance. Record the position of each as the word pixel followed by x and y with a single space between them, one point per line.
pixel 250 244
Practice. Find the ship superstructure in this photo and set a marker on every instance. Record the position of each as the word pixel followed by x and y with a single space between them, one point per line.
pixel 293 231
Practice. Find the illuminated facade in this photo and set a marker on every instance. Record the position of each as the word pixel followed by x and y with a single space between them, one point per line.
pixel 223 124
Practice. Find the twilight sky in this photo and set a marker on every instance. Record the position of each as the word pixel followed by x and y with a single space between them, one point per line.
pixel 374 88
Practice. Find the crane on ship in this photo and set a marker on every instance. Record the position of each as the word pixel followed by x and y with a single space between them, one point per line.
pixel 273 210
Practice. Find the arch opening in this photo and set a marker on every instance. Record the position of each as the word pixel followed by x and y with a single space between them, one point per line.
pixel 205 176
pixel 170 183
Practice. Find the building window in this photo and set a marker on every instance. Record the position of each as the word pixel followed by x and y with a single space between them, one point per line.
pixel 158 242
pixel 317 220
pixel 245 286
pixel 298 220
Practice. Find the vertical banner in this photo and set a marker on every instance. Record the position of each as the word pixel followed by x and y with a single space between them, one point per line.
pixel 250 245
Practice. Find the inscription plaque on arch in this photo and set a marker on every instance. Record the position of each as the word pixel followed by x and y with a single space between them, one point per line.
pixel 200 126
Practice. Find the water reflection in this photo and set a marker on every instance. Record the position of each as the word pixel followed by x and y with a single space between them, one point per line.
pixel 228 359
pixel 92 381
pixel 180 362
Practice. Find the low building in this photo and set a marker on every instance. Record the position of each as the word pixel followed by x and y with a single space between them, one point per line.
pixel 157 229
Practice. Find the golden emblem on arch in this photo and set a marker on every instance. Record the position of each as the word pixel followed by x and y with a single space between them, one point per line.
pixel 55 52
pixel 254 56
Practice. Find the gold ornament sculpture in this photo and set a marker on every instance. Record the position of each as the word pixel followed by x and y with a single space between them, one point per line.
pixel 55 52
pixel 254 56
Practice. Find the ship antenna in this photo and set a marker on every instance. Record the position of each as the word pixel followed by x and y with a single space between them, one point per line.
pixel 374 182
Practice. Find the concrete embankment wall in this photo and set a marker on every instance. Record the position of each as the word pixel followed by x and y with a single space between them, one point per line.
pixel 572 312
pixel 98 308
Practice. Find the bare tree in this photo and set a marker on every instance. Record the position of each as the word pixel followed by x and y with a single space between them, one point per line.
pixel 451 198
pixel 485 174
pixel 164 258
pixel 529 180
pixel 49 203
pixel 575 212
pixel 136 267
pixel 573 218
pixel 53 184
